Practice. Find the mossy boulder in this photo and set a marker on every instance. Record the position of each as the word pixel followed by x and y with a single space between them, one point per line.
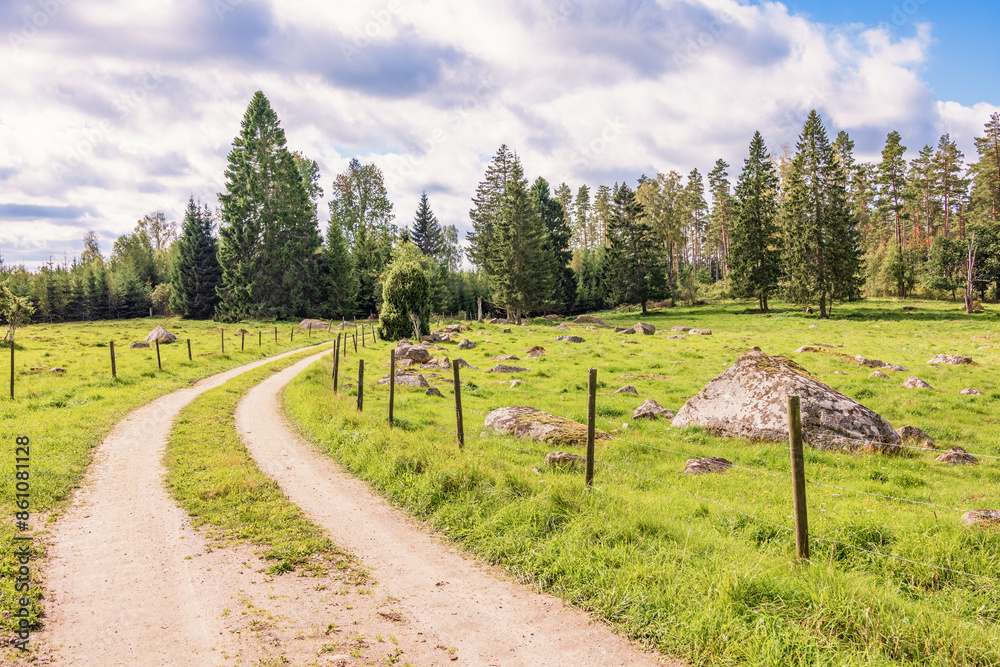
pixel 748 400
pixel 525 422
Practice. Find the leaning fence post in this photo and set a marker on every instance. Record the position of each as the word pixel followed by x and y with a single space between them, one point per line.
pixel 336 365
pixel 355 337
pixel 591 424
pixel 798 477
pixel 114 371
pixel 158 364
pixel 392 382
pixel 189 349
pixel 361 385
pixel 291 336
pixel 458 406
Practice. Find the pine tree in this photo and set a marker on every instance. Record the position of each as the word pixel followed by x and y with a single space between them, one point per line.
pixel 426 233
pixel 950 187
pixel 486 205
pixel 601 215
pixel 754 260
pixel 196 272
pixel 564 195
pixel 891 182
pixel 633 266
pixel 557 246
pixel 986 190
pixel 920 192
pixel 822 257
pixel 583 223
pixel 518 272
pixel 338 275
pixel 722 214
pixel 696 213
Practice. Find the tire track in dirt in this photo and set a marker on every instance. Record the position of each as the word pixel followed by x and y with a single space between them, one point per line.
pixel 123 586
pixel 456 603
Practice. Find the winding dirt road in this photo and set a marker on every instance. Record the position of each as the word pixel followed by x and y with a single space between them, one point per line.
pixel 124 586
pixel 456 603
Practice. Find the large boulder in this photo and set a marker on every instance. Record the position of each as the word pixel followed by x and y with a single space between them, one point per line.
pixel 643 328
pixel 316 324
pixel 748 400
pixel 525 422
pixel 589 319
pixel 418 353
pixel 160 335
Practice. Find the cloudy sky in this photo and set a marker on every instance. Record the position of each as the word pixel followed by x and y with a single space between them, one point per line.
pixel 110 109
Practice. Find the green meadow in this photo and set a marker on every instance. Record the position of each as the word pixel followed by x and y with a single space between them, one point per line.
pixel 66 415
pixel 703 567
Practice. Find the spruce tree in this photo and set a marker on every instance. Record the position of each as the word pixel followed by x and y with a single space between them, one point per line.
pixel 634 268
pixel 486 206
pixel 557 246
pixel 195 273
pixel 822 257
pixel 754 262
pixel 891 180
pixel 426 233
pixel 950 187
pixel 338 275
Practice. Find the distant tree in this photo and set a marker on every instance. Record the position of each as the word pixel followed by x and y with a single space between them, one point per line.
pixel 16 310
pixel 822 254
pixel 891 180
pixel 583 224
pixel 486 206
pixel 426 231
pixel 196 272
pixel 950 187
pixel 601 214
pixel 557 246
pixel 755 263
pixel 722 214
pixel 634 267
pixel 338 275
pixel 91 248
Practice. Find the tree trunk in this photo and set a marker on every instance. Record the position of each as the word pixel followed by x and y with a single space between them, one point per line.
pixel 763 303
pixel 822 306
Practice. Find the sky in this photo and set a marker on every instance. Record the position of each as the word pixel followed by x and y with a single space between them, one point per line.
pixel 112 109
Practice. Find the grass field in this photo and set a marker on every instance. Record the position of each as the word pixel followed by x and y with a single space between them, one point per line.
pixel 66 415
pixel 703 567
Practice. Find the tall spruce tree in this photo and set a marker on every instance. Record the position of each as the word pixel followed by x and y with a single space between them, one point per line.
pixel 634 268
pixel 950 187
pixel 486 205
pixel 557 246
pixel 426 233
pixel 196 272
pixel 754 262
pixel 822 254
pixel 722 214
pixel 269 234
pixel 891 180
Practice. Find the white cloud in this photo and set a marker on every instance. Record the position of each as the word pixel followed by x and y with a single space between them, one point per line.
pixel 140 103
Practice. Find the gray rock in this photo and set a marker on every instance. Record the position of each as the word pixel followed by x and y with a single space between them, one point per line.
pixel 501 368
pixel 953 359
pixel 419 354
pixel 570 339
pixel 622 330
pixel 505 357
pixel 627 389
pixel 808 348
pixel 462 363
pixel 681 329
pixel 971 392
pixel 870 363
pixel 535 352
pixel 554 459
pixel 981 517
pixel 644 329
pixel 162 335
pixel 957 455
pixel 507 330
pixel 712 464
pixel 913 382
pixel 562 327
pixel 700 332
pixel 514 384
pixel 434 391
pixel 879 375
pixel 677 337
pixel 914 434
pixel 466 344
pixel 589 319
pixel 898 369
pixel 134 346
pixel 650 409
pixel 748 400
pixel 406 379
pixel 525 422
pixel 308 324
pixel 629 342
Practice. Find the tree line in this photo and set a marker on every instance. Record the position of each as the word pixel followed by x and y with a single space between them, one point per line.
pixel 811 225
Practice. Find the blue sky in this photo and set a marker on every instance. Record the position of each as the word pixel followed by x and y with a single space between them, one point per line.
pixel 112 109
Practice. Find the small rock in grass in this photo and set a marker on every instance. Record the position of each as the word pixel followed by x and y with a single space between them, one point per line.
pixel 808 348
pixel 562 327
pixel 570 339
pixel 434 391
pixel 913 382
pixel 981 517
pixel 134 346
pixel 879 375
pixel 554 459
pixel 589 319
pixel 650 409
pixel 502 368
pixel 958 455
pixel 913 434
pixel 515 383
pixel 681 329
pixel 971 392
pixel 507 330
pixel 754 348
pixel 839 373
pixel 627 389
pixel 629 342
pixel 953 359
pixel 814 326
pixel 700 332
pixel 466 344
pixel 57 370
pixel 677 337
pixel 504 357
pixel 462 363
pixel 871 363
pixel 898 369
pixel 712 464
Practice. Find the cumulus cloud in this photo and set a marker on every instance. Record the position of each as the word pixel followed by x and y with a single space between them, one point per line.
pixel 112 109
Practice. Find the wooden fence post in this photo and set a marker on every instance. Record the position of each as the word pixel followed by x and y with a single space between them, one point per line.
pixel 12 369
pixel 591 424
pixel 355 336
pixel 798 477
pixel 345 344
pixel 392 382
pixel 458 406
pixel 189 349
pixel 336 365
pixel 243 341
pixel 222 334
pixel 362 335
pixel 361 385
pixel 291 336
pixel 158 363
pixel 275 333
pixel 260 338
pixel 114 371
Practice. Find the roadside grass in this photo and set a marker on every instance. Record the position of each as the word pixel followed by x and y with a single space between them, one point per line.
pixel 702 567
pixel 67 414
pixel 217 482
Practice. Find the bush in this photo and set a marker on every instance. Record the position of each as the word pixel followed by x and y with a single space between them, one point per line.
pixel 406 291
pixel 161 299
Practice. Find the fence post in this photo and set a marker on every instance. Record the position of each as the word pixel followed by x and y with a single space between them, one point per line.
pixel 158 363
pixel 392 382
pixel 260 338
pixel 275 333
pixel 361 385
pixel 345 343
pixel 291 336
pixel 355 336
pixel 114 371
pixel 362 335
pixel 222 335
pixel 591 424
pixel 189 349
pixel 243 341
pixel 12 368
pixel 798 477
pixel 336 365
pixel 458 406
